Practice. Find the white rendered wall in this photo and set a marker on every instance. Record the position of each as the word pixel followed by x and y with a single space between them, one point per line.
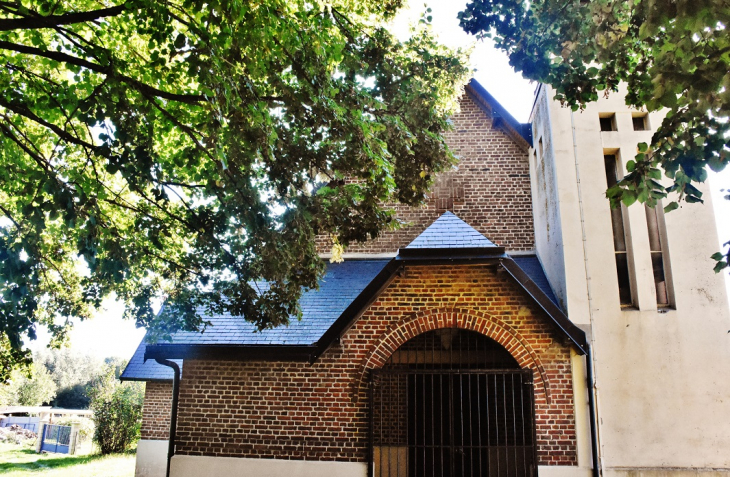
pixel 662 375
pixel 151 458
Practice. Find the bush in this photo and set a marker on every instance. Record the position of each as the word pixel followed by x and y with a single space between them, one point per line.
pixel 117 411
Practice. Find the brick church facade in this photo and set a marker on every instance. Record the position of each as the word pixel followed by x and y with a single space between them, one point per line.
pixel 448 347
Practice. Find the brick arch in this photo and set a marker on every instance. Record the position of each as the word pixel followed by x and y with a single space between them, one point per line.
pixel 413 325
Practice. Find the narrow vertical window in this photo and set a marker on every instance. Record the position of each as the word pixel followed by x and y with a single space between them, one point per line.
pixel 655 222
pixel 619 236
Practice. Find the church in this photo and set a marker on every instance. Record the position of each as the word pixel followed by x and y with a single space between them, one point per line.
pixel 515 326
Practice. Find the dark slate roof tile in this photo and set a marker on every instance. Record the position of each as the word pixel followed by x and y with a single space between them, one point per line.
pixel 530 264
pixel 341 284
pixel 449 231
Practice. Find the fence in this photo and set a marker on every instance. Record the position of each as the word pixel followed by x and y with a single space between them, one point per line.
pixel 30 423
pixel 58 439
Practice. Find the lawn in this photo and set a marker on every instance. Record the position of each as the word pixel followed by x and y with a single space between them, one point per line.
pixel 17 461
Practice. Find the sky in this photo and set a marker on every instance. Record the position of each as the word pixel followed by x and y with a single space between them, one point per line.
pixel 109 335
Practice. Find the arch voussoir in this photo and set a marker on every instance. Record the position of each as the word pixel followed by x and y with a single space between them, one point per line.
pixel 413 325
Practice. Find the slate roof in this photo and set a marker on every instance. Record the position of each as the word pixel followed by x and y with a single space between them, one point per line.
pixel 530 264
pixel 339 287
pixel 341 284
pixel 139 370
pixel 448 232
pixel 346 288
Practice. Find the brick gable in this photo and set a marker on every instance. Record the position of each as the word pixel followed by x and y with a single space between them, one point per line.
pixel 294 410
pixel 489 189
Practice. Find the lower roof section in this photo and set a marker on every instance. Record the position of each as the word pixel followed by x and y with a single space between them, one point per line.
pixel 345 292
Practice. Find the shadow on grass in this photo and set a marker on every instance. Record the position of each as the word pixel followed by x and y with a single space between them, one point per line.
pixel 45 461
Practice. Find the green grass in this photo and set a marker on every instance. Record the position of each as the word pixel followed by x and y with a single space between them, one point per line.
pixel 17 461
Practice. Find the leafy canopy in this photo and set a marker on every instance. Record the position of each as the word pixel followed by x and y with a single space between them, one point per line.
pixel 672 54
pixel 187 150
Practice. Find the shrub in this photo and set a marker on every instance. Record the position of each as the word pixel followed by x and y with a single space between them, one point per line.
pixel 117 411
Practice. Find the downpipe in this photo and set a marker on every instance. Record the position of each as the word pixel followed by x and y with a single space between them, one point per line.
pixel 595 458
pixel 592 412
pixel 173 414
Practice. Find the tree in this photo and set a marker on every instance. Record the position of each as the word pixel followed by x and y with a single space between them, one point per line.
pixel 190 150
pixel 73 373
pixel 117 411
pixel 29 387
pixel 671 54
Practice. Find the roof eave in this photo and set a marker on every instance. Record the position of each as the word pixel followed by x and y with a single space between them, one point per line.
pixel 501 118
pixel 145 380
pixel 230 352
pixel 454 252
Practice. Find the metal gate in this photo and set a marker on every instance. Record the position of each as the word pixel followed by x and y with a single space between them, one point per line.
pixel 56 439
pixel 452 423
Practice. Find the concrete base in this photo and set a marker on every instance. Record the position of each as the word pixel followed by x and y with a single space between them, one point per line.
pixel 563 471
pixel 668 472
pixel 198 466
pixel 151 458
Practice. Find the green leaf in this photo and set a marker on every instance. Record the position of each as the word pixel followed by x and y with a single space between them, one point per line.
pixel 671 206
pixel 628 198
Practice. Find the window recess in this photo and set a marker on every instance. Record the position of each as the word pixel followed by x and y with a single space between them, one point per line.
pixel 659 258
pixel 620 237
pixel 608 121
pixel 641 121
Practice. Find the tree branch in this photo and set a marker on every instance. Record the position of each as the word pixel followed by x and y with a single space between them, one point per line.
pixel 36 157
pixel 40 21
pixel 61 133
pixel 105 70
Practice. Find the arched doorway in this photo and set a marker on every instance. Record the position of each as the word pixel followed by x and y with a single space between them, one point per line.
pixel 452 403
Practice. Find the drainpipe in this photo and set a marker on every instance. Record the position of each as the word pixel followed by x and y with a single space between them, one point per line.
pixel 589 349
pixel 592 413
pixel 173 414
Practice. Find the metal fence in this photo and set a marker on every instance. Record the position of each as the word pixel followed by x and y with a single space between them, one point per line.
pixel 29 423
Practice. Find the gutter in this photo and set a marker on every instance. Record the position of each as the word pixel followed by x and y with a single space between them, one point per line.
pixel 173 413
pixel 229 352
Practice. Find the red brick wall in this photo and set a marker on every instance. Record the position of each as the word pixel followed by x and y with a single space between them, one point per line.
pixel 489 189
pixel 319 411
pixel 156 410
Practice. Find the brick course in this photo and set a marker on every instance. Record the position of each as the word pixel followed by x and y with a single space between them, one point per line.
pixel 294 410
pixel 156 410
pixel 489 189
